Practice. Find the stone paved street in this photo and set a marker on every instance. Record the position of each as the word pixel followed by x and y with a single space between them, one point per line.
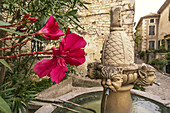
pixel 164 89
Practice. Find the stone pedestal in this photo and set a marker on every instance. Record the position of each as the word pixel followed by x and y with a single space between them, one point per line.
pixel 117 102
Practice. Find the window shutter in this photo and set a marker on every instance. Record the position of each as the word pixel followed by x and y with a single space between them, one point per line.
pixel 159 43
pixel 169 13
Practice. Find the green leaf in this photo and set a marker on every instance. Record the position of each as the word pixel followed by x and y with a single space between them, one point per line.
pixel 4 23
pixel 4 107
pixel 7 90
pixel 36 39
pixel 18 5
pixel 23 10
pixel 74 3
pixel 87 3
pixel 1 14
pixel 72 12
pixel 76 18
pixel 74 21
pixel 11 31
pixel 3 85
pixel 85 7
pixel 5 64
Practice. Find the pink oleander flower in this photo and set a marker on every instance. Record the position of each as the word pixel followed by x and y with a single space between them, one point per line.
pixel 70 51
pixel 32 19
pixel 51 31
pixel 26 16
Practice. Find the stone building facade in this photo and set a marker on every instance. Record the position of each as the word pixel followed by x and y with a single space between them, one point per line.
pixel 164 24
pixel 161 23
pixel 161 37
pixel 164 32
pixel 96 24
pixel 148 26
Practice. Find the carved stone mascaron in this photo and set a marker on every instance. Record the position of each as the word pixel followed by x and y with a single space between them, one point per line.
pixel 116 77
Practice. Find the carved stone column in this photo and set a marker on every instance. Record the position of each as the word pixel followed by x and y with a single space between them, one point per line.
pixel 117 102
pixel 117 51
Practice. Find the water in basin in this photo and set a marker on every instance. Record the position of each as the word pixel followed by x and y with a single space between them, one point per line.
pixel 93 100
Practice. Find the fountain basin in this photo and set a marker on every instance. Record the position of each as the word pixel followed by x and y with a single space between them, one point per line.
pixel 93 101
pixel 78 91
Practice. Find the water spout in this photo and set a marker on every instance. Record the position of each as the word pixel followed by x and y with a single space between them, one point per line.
pixel 157 83
pixel 105 102
pixel 107 91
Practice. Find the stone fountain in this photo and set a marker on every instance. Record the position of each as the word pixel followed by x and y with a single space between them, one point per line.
pixel 117 70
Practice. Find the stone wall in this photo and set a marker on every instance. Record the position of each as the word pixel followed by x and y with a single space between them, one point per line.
pixel 96 24
pixel 164 23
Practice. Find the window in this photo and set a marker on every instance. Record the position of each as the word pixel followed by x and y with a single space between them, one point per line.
pixel 151 30
pixel 151 20
pixel 168 44
pixel 163 42
pixel 151 45
pixel 159 43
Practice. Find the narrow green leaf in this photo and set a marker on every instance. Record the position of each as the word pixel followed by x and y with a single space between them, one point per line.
pixel 36 39
pixel 23 10
pixel 85 7
pixel 72 12
pixel 21 108
pixel 5 64
pixel 75 21
pixel 8 90
pixel 74 3
pixel 4 23
pixel 11 31
pixel 4 107
pixel 88 3
pixel 21 75
pixel 76 18
pixel 17 5
pixel 1 14
pixel 3 85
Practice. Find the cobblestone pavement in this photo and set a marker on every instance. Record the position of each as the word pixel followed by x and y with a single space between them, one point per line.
pixel 163 90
